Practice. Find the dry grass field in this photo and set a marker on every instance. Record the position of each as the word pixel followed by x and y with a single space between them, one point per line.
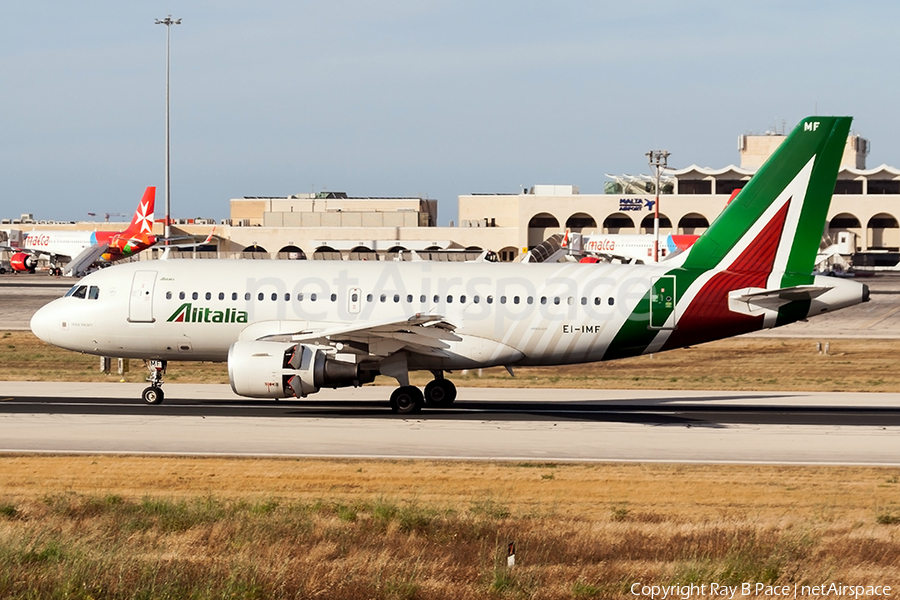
pixel 852 365
pixel 156 527
pixel 106 527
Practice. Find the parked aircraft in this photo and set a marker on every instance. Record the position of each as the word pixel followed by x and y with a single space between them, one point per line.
pixel 76 251
pixel 289 328
pixel 634 247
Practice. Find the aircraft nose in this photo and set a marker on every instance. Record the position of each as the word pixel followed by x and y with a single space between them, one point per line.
pixel 47 322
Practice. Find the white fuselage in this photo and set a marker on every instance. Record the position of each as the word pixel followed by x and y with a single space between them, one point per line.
pixel 503 313
pixel 58 243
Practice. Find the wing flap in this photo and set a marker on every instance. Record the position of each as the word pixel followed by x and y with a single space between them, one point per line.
pixel 425 334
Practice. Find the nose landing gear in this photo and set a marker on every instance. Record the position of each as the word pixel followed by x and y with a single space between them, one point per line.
pixel 154 393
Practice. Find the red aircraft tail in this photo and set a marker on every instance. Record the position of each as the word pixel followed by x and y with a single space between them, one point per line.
pixel 142 222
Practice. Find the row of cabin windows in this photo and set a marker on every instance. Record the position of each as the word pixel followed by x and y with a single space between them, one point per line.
pixel 354 297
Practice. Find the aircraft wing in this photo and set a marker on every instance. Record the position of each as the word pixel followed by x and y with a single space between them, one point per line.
pixel 193 243
pixel 31 251
pixel 419 334
pixel 79 265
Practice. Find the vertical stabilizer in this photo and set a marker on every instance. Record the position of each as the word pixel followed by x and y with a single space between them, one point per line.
pixel 775 224
pixel 142 221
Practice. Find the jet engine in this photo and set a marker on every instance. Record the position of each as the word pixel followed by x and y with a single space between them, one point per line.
pixel 22 261
pixel 282 370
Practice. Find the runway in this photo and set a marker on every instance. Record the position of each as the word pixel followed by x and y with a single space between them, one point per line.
pixel 496 424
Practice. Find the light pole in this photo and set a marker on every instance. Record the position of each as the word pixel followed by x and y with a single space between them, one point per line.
pixel 168 22
pixel 658 160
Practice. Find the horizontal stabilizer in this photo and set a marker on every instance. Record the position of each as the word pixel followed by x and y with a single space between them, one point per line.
pixel 750 301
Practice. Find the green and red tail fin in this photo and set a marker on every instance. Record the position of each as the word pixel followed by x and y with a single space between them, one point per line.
pixel 775 224
pixel 765 239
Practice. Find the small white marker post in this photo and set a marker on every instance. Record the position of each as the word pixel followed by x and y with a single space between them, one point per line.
pixel 511 555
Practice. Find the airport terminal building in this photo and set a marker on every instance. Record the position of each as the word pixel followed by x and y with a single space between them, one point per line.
pixel 334 225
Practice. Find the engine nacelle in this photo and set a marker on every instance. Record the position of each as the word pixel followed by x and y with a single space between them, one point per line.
pixel 283 370
pixel 22 261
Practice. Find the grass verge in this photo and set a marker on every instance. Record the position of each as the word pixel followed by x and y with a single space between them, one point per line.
pixel 85 527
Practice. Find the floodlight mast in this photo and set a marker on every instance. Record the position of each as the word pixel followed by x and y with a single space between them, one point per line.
pixel 658 160
pixel 168 22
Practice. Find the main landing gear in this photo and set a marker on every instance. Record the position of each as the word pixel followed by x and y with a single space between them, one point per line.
pixel 154 393
pixel 409 399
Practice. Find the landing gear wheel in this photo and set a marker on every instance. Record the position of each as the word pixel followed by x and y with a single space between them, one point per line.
pixel 407 399
pixel 440 392
pixel 153 395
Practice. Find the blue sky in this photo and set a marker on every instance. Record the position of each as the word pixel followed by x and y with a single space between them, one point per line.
pixel 414 98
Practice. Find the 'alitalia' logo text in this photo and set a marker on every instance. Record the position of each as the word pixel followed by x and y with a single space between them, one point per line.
pixel 187 313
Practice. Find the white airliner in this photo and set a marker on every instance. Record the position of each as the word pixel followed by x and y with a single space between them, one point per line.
pixel 289 328
pixel 77 251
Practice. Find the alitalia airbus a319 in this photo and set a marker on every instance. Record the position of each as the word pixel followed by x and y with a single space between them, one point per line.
pixel 289 328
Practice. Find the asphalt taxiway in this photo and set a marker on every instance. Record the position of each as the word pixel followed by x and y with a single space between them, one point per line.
pixel 498 424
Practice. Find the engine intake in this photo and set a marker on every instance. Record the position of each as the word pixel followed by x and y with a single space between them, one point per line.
pixel 283 370
pixel 22 261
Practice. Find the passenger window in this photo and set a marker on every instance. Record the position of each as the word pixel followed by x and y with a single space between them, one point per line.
pixel 423 299
pixel 369 297
pixel 570 300
pixel 462 299
pixel 181 295
pixel 208 296
pixel 556 300
pixel 502 299
pixel 300 297
pixel 515 299
pixel 490 299
pixel 449 299
pixel 168 295
pixel 409 298
pixel 583 301
pixel 260 296
pixel 396 298
pixel 354 297
pixel 287 297
pixel 221 295
pixel 234 295
pixel 476 299
pixel 274 296
pixel 334 297
pixel 530 300
pixel 383 298
pixel 611 301
pixel 93 292
pixel 195 295
pixel 596 301
pixel 247 296
pixel 437 298
pixel 543 299
pixel 312 297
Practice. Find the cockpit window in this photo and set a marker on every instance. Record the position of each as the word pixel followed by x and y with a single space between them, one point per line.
pixel 93 292
pixel 79 291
